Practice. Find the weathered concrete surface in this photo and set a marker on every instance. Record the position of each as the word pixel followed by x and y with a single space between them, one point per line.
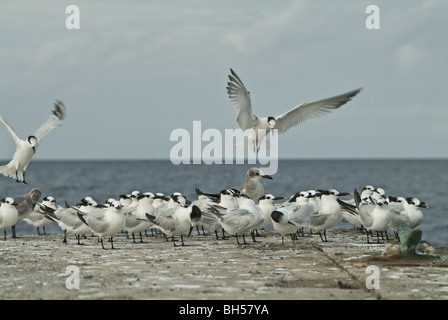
pixel 34 267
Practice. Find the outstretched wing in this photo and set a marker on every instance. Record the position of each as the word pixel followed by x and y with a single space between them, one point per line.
pixel 53 121
pixel 11 131
pixel 240 99
pixel 309 110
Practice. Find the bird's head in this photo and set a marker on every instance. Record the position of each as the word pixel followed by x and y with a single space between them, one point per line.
pixel 32 140
pixel 256 173
pixel 271 122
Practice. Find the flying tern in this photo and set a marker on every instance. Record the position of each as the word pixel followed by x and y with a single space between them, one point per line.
pixel 25 149
pixel 246 119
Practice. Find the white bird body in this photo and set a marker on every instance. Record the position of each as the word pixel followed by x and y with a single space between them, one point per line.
pixel 375 217
pixel 265 208
pixel 246 119
pixel 8 214
pixel 288 219
pixel 413 212
pixel 25 149
pixel 136 219
pixel 398 214
pixel 241 220
pixel 106 222
pixel 329 212
pixel 175 219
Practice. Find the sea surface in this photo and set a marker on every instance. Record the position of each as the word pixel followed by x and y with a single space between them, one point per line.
pixel 72 180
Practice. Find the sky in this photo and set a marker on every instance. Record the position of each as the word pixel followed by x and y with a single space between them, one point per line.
pixel 135 71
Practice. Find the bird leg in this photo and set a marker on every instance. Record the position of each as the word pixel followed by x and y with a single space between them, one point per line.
pixel 102 243
pixel 182 239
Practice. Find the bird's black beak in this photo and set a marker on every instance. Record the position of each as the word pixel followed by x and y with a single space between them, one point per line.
pixel 423 205
pixel 279 198
pixel 344 194
pixel 267 177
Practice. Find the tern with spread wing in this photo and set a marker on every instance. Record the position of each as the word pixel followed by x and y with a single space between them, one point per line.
pixel 25 149
pixel 240 99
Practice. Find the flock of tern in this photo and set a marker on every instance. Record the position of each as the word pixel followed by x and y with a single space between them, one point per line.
pixel 229 212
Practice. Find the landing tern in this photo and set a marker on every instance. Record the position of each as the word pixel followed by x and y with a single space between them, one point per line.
pixel 246 119
pixel 25 149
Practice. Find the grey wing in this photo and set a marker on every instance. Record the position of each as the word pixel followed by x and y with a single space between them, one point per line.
pixel 318 220
pixel 55 120
pixel 365 215
pixel 167 223
pixel 97 223
pixel 240 99
pixel 309 110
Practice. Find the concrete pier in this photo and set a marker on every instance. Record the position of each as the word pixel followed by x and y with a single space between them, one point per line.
pixel 346 267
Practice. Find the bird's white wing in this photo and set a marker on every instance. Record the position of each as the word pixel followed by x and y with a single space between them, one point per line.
pixel 55 120
pixel 309 110
pixel 11 131
pixel 240 99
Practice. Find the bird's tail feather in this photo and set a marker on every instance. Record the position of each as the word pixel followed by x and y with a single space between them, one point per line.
pixel 8 171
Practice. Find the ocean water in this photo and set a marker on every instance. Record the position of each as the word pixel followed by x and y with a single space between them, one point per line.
pixel 72 180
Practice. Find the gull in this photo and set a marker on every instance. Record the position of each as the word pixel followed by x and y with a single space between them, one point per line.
pixel 329 212
pixel 25 205
pixel 25 149
pixel 246 119
pixel 105 223
pixel 8 214
pixel 253 188
pixel 38 218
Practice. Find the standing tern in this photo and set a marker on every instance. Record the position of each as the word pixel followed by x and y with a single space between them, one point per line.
pixel 106 222
pixel 38 217
pixel 288 219
pixel 25 149
pixel 412 207
pixel 329 212
pixel 246 119
pixel 8 214
pixel 375 215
